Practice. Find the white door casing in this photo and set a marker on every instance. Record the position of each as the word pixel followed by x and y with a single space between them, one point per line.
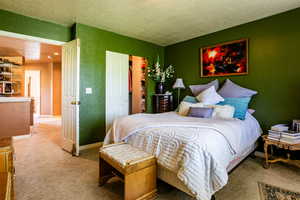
pixel 33 88
pixel 117 97
pixel 70 96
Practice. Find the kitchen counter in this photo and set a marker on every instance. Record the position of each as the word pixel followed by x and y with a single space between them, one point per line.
pixel 14 99
pixel 15 116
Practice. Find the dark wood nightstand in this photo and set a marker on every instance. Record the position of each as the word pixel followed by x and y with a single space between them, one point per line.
pixel 282 145
pixel 162 103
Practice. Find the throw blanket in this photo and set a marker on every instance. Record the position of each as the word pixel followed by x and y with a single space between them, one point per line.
pixel 184 145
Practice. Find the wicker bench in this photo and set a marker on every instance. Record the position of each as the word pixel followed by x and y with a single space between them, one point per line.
pixel 136 168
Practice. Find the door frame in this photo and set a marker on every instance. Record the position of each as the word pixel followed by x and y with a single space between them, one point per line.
pixel 47 41
pixel 25 86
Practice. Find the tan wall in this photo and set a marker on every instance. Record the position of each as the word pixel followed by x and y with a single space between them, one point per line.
pixel 45 79
pixel 57 89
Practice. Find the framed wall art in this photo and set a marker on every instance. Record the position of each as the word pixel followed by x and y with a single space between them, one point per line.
pixel 226 59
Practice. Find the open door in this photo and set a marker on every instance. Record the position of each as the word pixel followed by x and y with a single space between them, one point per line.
pixel 70 96
pixel 117 97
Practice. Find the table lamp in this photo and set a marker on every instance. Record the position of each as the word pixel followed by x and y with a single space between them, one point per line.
pixel 178 85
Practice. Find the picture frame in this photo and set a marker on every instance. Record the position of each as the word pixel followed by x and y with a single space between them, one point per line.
pixel 224 59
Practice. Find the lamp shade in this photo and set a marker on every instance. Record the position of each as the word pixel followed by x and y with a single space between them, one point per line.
pixel 178 83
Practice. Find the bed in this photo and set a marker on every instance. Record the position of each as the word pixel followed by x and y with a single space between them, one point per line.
pixel 193 154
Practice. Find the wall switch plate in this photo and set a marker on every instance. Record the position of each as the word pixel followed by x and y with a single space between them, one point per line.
pixel 88 91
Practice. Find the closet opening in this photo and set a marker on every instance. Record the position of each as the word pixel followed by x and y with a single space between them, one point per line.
pixel 137 84
pixel 126 86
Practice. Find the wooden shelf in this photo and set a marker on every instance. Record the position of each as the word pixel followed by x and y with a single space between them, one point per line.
pixel 8 65
pixel 6 73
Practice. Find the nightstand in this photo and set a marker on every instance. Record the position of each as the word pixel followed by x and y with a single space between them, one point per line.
pixel 282 145
pixel 162 103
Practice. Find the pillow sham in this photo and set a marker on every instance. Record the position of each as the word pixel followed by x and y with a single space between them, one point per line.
pixel 209 96
pixel 197 89
pixel 232 90
pixel 240 105
pixel 200 112
pixel 184 107
pixel 222 112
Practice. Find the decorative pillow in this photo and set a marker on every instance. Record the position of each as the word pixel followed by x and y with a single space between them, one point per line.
pixel 200 112
pixel 240 105
pixel 197 89
pixel 209 96
pixel 184 107
pixel 232 90
pixel 189 99
pixel 222 112
pixel 251 111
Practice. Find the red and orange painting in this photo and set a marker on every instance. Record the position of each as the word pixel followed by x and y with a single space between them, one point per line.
pixel 225 59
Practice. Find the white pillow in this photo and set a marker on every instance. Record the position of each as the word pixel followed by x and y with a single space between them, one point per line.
pixel 222 111
pixel 184 107
pixel 209 96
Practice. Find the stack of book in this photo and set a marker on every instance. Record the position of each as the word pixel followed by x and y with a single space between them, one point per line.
pixel 290 137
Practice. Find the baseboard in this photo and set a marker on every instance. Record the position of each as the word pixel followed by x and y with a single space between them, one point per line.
pixel 21 136
pixel 91 146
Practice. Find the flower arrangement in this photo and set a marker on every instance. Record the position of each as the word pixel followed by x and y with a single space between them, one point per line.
pixel 157 74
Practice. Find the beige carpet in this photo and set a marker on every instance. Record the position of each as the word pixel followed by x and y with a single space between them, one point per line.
pixel 45 172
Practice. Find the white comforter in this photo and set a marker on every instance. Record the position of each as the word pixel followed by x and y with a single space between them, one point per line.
pixel 197 149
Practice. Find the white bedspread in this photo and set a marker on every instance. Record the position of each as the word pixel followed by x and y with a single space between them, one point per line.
pixel 197 149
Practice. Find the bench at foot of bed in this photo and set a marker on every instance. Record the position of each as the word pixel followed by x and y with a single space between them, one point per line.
pixel 136 168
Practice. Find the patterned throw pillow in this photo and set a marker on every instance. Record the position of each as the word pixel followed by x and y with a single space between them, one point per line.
pixel 188 99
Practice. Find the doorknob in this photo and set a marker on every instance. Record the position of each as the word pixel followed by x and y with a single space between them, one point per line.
pixel 75 102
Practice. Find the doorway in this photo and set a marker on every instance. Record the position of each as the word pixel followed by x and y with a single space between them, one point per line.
pixel 125 86
pixel 33 89
pixel 57 64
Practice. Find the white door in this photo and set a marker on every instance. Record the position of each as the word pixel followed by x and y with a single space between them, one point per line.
pixel 70 96
pixel 117 97
pixel 33 88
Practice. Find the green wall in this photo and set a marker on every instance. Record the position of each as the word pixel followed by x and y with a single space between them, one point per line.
pixel 16 23
pixel 274 66
pixel 93 43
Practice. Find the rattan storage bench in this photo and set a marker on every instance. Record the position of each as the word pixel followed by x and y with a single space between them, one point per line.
pixel 135 167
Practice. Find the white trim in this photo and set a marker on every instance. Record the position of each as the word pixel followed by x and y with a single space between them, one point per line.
pixel 91 146
pixel 28 37
pixel 21 137
pixel 41 116
pixel 51 87
pixel 78 98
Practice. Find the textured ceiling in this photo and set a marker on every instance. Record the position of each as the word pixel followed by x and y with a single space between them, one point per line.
pixel 162 22
pixel 32 51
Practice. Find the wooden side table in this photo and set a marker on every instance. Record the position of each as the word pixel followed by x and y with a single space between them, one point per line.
pixel 162 103
pixel 282 145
